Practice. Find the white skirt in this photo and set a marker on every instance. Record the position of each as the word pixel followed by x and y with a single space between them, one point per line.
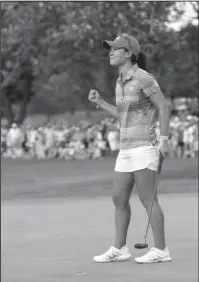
pixel 134 159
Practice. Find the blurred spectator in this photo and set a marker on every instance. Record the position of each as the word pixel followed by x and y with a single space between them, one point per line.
pixel 40 148
pixel 86 141
pixel 113 139
pixel 31 134
pixel 4 132
pixel 14 140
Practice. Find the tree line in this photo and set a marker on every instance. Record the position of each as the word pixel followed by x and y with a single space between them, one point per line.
pixel 51 52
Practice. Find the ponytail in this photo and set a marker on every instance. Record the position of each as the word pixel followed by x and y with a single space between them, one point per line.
pixel 141 60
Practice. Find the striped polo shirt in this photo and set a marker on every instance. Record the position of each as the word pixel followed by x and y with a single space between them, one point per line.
pixel 137 115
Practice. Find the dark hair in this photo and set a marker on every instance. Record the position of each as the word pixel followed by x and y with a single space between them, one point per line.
pixel 141 60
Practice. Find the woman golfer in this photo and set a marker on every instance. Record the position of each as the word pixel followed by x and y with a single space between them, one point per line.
pixel 139 101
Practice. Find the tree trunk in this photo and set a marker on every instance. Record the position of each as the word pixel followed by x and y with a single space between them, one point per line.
pixel 22 111
pixel 8 109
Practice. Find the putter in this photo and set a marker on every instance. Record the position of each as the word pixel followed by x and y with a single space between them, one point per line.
pixel 145 245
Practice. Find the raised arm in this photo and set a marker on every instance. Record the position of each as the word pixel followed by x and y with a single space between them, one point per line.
pixel 95 97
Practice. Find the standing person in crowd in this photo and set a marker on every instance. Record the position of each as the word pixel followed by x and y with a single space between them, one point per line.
pixel 195 133
pixel 173 138
pixel 181 138
pixel 49 141
pixel 31 134
pixel 4 132
pixel 138 102
pixel 112 137
pixel 193 126
pixel 15 139
pixel 100 142
pixel 186 136
pixel 40 146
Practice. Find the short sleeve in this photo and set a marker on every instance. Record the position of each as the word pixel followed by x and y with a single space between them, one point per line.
pixel 149 85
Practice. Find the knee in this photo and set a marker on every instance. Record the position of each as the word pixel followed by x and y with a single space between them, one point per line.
pixel 119 201
pixel 147 201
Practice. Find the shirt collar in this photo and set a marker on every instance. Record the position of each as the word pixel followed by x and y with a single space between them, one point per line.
pixel 129 74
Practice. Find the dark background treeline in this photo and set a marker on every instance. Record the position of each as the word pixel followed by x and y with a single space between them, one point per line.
pixel 51 52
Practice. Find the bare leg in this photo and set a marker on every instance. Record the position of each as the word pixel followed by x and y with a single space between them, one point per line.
pixel 145 182
pixel 122 189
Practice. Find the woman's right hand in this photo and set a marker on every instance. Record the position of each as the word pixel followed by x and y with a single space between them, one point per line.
pixel 94 96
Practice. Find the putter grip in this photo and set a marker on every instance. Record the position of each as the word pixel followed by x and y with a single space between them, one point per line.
pixel 160 163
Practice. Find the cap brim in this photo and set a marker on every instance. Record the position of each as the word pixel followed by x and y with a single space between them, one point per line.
pixel 107 44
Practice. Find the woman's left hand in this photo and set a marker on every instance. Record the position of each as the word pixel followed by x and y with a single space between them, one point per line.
pixel 163 147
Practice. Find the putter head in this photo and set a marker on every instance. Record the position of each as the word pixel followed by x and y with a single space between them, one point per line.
pixel 141 246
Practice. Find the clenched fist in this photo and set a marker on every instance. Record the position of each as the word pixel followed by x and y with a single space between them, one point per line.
pixel 94 96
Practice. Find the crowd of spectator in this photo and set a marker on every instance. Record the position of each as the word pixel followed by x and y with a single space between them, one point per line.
pixel 88 141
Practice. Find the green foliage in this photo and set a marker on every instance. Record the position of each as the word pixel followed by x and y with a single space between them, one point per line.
pixel 63 42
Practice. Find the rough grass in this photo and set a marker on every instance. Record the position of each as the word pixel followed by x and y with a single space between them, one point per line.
pixel 59 178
